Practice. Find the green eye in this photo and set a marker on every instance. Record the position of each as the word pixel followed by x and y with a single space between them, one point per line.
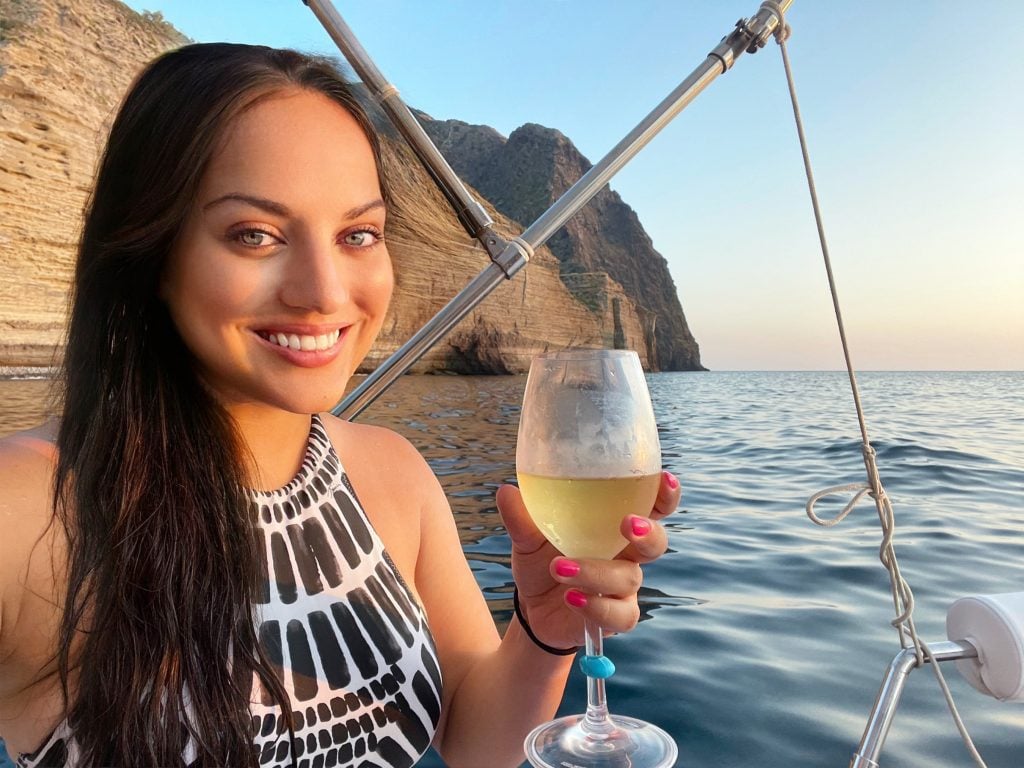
pixel 253 238
pixel 361 238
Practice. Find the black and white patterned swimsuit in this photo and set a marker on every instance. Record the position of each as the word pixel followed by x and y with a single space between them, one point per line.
pixel 348 640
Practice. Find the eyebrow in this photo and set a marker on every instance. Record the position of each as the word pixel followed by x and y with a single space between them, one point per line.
pixel 257 202
pixel 272 206
pixel 359 210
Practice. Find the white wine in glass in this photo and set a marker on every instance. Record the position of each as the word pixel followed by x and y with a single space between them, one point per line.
pixel 587 455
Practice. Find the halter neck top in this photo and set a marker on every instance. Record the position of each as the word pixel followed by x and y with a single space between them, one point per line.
pixel 341 628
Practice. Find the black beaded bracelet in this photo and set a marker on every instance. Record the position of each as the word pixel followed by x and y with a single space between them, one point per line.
pixel 529 632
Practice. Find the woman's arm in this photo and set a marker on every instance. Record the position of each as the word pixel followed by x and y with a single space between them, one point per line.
pixel 495 689
pixel 496 692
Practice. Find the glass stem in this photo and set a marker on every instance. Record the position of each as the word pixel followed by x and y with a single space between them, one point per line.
pixel 596 723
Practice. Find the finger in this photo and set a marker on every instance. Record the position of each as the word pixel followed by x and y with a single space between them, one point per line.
pixel 611 578
pixel 611 614
pixel 648 539
pixel 526 538
pixel 531 552
pixel 669 493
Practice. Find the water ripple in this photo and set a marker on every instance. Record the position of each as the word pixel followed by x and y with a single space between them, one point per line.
pixel 764 638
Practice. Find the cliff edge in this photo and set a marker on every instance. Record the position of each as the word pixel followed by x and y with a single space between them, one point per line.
pixel 63 69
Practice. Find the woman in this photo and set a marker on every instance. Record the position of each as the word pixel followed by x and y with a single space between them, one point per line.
pixel 200 569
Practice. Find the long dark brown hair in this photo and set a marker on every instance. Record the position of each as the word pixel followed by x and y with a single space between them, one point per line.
pixel 163 568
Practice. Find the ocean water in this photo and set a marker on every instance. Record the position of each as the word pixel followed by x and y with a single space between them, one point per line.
pixel 764 638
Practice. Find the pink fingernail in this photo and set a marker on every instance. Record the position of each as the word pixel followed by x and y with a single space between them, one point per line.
pixel 673 483
pixel 567 568
pixel 641 526
pixel 576 599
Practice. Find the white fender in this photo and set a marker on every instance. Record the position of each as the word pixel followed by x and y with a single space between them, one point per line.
pixel 994 624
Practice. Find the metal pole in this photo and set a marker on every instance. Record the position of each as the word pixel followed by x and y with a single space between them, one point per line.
pixel 472 215
pixel 870 747
pixel 749 35
pixel 447 318
pixel 745 37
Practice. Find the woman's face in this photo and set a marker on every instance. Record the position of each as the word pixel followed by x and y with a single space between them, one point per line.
pixel 280 279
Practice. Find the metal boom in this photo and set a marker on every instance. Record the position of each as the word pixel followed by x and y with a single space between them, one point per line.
pixel 509 256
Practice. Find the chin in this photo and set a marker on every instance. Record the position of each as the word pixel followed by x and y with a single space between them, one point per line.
pixel 313 391
pixel 310 403
pixel 294 390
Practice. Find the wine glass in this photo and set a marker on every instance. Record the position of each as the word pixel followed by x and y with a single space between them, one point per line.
pixel 586 456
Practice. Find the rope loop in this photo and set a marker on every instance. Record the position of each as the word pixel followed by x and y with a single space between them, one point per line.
pixel 861 489
pixel 902 595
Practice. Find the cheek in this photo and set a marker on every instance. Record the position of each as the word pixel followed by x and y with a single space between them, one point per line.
pixel 204 294
pixel 389 288
pixel 378 287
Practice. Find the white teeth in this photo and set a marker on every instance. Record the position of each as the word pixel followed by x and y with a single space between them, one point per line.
pixel 304 343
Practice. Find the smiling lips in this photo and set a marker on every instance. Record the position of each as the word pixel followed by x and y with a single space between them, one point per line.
pixel 301 342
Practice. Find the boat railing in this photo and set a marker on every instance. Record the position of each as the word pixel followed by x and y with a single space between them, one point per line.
pixel 880 720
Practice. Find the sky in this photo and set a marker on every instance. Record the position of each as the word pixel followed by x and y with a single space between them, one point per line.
pixel 913 112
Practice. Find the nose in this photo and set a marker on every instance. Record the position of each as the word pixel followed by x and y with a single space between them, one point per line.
pixel 315 279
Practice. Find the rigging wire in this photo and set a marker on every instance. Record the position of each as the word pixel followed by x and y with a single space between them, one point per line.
pixel 903 597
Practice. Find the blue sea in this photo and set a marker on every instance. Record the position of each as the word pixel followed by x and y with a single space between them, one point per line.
pixel 764 637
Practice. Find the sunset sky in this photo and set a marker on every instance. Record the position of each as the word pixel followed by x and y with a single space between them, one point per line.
pixel 913 112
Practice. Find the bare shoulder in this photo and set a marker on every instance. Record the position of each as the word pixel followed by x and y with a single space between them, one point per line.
pixel 384 452
pixel 27 463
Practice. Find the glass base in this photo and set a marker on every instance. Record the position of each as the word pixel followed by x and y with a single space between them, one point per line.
pixel 629 743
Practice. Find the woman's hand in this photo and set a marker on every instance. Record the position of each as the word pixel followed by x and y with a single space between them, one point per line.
pixel 557 593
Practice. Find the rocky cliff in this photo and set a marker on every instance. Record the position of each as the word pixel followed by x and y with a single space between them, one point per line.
pixel 63 68
pixel 524 174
